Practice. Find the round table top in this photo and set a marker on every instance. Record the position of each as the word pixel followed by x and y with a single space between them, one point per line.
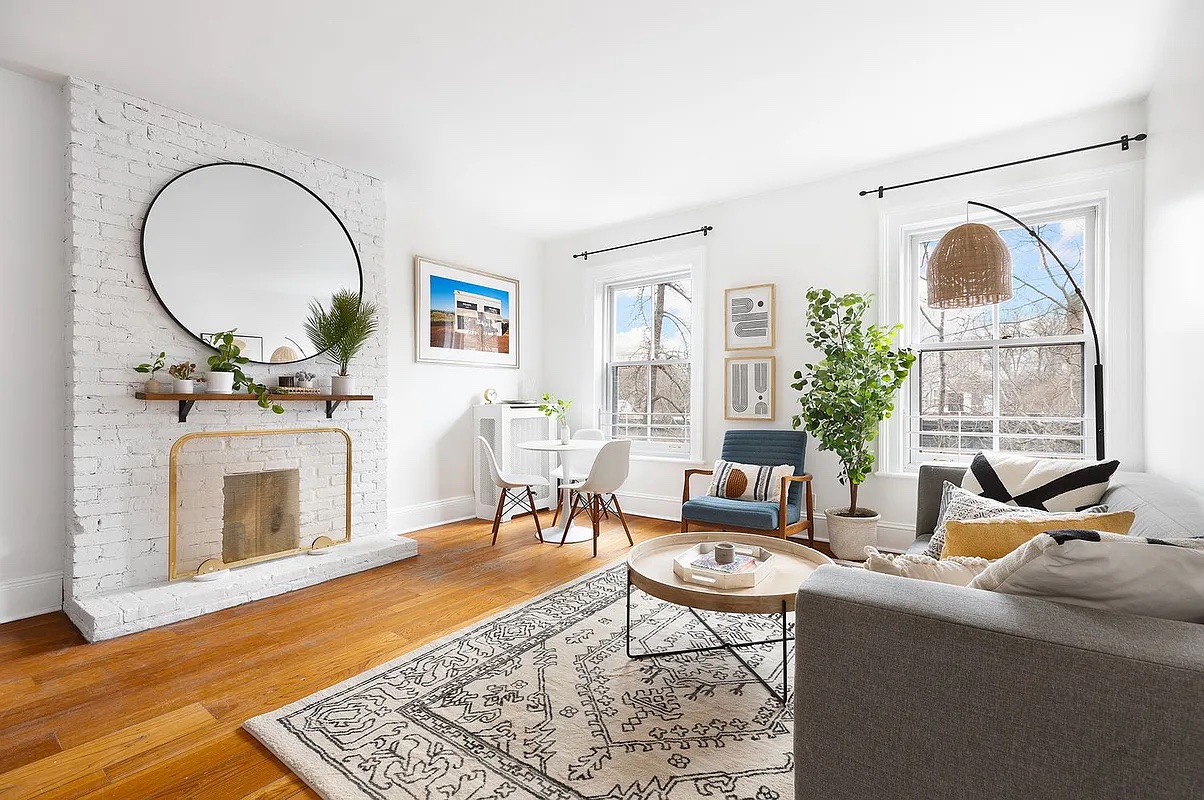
pixel 554 445
pixel 650 568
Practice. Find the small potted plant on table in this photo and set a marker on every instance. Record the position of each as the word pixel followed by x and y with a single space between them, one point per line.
pixel 845 396
pixel 340 332
pixel 156 363
pixel 225 373
pixel 554 408
pixel 181 374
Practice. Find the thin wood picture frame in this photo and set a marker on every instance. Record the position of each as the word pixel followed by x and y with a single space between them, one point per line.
pixel 465 316
pixel 750 317
pixel 749 388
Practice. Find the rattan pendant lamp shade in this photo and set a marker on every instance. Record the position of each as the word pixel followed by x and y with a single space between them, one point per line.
pixel 971 266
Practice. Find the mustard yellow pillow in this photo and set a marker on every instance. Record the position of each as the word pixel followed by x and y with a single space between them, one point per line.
pixel 995 538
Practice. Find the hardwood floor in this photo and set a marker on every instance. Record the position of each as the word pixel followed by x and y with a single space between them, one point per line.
pixel 159 714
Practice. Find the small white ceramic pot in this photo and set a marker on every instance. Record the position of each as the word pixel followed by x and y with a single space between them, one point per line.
pixel 219 382
pixel 184 386
pixel 849 536
pixel 342 384
pixel 306 384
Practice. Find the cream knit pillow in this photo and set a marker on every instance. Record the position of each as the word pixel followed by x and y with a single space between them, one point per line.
pixel 955 570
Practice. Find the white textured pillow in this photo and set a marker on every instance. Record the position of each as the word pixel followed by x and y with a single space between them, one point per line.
pixel 1131 574
pixel 748 481
pixel 956 571
pixel 1046 484
pixel 959 504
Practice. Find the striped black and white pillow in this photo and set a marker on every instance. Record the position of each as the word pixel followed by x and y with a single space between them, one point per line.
pixel 1046 484
pixel 748 481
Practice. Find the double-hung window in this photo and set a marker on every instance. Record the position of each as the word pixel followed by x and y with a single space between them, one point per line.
pixel 1010 377
pixel 649 368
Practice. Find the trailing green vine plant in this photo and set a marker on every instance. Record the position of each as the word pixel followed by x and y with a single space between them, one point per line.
pixel 847 394
pixel 229 358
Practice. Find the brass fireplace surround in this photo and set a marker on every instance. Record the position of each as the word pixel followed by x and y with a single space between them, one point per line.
pixel 173 505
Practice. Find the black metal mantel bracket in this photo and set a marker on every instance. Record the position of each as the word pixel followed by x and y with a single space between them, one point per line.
pixel 185 407
pixel 331 405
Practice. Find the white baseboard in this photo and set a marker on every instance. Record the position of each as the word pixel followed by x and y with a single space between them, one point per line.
pixel 428 515
pixel 28 597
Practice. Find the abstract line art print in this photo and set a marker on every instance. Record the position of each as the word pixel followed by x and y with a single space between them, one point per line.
pixel 749 317
pixel 748 388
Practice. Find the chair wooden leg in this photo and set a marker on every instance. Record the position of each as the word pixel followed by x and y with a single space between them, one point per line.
pixel 685 525
pixel 534 513
pixel 623 519
pixel 572 512
pixel 497 518
pixel 559 503
pixel 595 517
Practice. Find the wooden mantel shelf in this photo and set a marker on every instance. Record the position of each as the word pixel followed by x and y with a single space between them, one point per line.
pixel 186 401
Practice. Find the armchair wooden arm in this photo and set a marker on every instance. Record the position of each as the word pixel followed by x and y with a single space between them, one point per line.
pixel 685 491
pixel 810 515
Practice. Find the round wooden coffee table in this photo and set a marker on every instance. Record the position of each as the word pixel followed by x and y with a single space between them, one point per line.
pixel 650 569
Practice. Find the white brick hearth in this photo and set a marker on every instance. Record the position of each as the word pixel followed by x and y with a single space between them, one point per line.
pixel 122 150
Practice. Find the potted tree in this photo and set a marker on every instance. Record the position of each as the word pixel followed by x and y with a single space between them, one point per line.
pixel 156 363
pixel 340 332
pixel 553 408
pixel 845 396
pixel 181 374
pixel 225 373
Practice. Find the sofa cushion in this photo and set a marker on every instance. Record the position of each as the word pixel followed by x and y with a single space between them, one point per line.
pixel 1152 577
pixel 955 571
pixel 737 513
pixel 1163 508
pixel 1046 484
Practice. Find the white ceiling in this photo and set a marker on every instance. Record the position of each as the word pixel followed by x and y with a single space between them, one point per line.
pixel 558 115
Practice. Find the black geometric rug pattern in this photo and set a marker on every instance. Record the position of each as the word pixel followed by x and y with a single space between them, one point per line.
pixel 541 702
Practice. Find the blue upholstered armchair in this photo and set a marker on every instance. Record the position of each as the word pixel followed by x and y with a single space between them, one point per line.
pixel 767 448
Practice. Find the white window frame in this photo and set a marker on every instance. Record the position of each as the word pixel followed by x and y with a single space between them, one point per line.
pixel 1114 197
pixel 684 263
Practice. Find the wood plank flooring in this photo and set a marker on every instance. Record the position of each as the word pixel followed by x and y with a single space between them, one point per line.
pixel 158 714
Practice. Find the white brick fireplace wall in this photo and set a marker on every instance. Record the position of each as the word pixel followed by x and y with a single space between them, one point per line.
pixel 122 150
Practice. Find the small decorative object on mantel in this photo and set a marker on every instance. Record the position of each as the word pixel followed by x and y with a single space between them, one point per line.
pixel 845 396
pixel 553 408
pixel 225 372
pixel 750 317
pixel 700 564
pixel 156 363
pixel 341 332
pixel 286 381
pixel 181 374
pixel 748 388
pixel 305 380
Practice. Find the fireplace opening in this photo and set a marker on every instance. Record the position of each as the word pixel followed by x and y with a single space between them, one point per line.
pixel 261 514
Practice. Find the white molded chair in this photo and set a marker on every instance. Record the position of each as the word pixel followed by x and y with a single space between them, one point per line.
pixel 558 476
pixel 593 494
pixel 508 482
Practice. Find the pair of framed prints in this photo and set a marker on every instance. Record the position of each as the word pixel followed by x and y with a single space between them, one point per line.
pixel 750 318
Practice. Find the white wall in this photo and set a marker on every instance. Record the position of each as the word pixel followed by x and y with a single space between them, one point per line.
pixel 32 324
pixel 430 405
pixel 1174 290
pixel 820 234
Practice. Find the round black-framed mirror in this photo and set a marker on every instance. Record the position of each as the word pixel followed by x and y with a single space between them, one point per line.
pixel 236 245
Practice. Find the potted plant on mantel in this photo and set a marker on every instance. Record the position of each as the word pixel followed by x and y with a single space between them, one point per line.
pixel 225 373
pixel 156 363
pixel 553 408
pixel 340 332
pixel 845 396
pixel 181 374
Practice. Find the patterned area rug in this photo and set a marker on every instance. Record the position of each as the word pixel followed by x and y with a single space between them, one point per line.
pixel 541 702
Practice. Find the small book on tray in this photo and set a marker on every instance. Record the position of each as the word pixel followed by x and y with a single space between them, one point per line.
pixel 741 564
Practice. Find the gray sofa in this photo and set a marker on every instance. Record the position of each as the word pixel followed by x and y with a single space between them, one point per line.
pixel 908 689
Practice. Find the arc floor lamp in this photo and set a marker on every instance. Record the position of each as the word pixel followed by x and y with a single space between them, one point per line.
pixel 971 266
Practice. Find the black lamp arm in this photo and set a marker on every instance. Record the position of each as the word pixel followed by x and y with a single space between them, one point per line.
pixel 1099 364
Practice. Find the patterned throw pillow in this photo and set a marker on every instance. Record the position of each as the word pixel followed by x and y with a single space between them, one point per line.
pixel 748 481
pixel 1046 484
pixel 959 504
pixel 1131 574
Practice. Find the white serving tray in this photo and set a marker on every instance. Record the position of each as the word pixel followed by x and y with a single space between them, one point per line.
pixel 683 568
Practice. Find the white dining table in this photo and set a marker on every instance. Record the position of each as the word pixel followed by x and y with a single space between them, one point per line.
pixel 575 458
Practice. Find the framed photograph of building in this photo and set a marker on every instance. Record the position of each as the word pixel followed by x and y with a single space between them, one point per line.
pixel 748 388
pixel 749 317
pixel 463 316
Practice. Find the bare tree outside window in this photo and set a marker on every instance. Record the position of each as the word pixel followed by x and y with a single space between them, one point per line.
pixel 648 369
pixel 1008 377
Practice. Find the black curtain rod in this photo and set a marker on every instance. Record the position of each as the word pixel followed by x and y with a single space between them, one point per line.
pixel 1123 141
pixel 704 230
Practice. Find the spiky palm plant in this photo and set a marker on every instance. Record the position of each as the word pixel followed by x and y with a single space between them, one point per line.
pixel 340 332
